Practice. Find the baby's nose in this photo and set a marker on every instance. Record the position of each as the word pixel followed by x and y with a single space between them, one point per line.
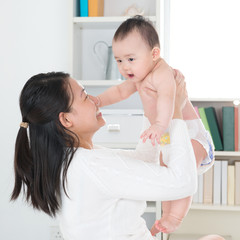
pixel 125 66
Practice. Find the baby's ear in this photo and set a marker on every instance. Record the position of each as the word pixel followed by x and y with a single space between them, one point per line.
pixel 155 53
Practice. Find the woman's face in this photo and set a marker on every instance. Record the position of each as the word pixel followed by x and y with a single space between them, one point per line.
pixel 84 114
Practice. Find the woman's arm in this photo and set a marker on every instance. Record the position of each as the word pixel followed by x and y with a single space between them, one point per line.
pixel 121 176
pixel 201 139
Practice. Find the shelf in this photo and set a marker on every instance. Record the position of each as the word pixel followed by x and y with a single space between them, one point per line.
pixel 94 83
pixel 116 82
pixel 151 207
pixel 133 145
pixel 214 99
pixel 103 22
pixel 212 207
pixel 227 154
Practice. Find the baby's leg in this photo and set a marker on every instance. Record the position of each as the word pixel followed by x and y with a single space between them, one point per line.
pixel 189 113
pixel 173 211
pixel 173 214
pixel 176 210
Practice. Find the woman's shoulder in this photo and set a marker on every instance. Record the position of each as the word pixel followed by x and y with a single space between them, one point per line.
pixel 95 154
pixel 89 159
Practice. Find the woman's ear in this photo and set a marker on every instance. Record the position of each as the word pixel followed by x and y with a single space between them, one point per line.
pixel 64 120
pixel 156 53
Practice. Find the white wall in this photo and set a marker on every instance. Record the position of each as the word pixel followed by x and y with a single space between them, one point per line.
pixel 34 38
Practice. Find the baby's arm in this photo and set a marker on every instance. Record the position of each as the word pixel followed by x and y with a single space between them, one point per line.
pixel 164 83
pixel 116 93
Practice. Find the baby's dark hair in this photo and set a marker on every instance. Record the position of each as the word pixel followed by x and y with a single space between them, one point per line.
pixel 143 26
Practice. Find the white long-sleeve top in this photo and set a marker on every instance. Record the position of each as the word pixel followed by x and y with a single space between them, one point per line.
pixel 108 188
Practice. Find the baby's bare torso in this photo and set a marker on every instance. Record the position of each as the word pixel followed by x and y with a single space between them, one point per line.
pixel 148 91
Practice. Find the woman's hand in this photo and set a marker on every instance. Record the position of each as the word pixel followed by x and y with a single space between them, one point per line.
pixel 181 94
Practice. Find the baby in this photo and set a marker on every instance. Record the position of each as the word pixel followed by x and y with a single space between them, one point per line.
pixel 136 49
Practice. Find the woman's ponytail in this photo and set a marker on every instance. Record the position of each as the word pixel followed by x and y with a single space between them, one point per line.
pixel 22 163
pixel 42 157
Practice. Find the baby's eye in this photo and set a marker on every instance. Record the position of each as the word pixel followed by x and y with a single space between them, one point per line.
pixel 130 59
pixel 119 61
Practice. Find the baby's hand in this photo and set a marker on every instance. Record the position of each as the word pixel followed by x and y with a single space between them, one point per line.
pixel 167 224
pixel 153 133
pixel 96 100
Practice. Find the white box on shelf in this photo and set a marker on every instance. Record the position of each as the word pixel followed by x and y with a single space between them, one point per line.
pixel 122 128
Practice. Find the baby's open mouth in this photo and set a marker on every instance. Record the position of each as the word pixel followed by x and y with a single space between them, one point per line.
pixel 131 75
pixel 98 113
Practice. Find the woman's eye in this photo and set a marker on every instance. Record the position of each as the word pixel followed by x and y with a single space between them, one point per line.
pixel 86 96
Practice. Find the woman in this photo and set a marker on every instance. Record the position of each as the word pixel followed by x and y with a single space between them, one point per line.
pixel 98 193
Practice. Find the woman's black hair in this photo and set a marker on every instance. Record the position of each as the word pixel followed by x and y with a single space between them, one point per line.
pixel 42 159
pixel 142 26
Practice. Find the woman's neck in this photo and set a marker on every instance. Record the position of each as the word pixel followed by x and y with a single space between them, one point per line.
pixel 86 143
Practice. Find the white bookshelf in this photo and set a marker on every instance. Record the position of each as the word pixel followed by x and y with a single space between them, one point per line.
pixel 207 211
pixel 100 82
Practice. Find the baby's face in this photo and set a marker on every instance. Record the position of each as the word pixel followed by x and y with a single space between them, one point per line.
pixel 133 56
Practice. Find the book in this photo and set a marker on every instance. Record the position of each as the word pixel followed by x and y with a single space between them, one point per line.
pixel 217 182
pixel 214 128
pixel 237 183
pixel 95 8
pixel 224 180
pixel 208 186
pixel 204 119
pixel 83 8
pixel 230 185
pixel 236 135
pixel 238 128
pixel 198 196
pixel 200 188
pixel 195 197
pixel 228 128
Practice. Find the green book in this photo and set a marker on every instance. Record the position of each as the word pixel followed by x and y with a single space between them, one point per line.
pixel 214 128
pixel 228 128
pixel 204 119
